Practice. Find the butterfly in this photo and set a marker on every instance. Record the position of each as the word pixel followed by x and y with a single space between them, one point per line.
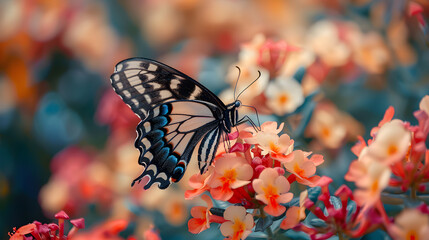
pixel 178 114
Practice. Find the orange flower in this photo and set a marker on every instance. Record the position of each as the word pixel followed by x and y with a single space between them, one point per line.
pixel 175 209
pixel 239 224
pixel 22 231
pixel 200 220
pixel 371 52
pixel 295 214
pixel 199 183
pixel 231 171
pixel 373 178
pixel 269 140
pixel 272 189
pixel 327 126
pixel 108 230
pixel 388 115
pixel 304 168
pixel 391 143
pixel 410 224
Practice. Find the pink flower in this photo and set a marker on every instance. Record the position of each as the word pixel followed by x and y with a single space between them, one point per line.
pixel 49 231
pixel 239 224
pixel 304 168
pixel 416 10
pixel 200 220
pixel 113 112
pixel 231 171
pixel 337 218
pixel 327 125
pixel 272 189
pixel 272 55
pixel 284 95
pixel 151 234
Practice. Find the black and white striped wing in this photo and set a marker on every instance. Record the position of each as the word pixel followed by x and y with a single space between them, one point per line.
pixel 144 84
pixel 177 113
pixel 166 140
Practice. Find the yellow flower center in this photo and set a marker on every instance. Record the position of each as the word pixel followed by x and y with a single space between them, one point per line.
pixel 298 170
pixel 229 176
pixel 326 132
pixel 391 150
pixel 271 194
pixel 374 187
pixel 283 99
pixel 412 235
pixel 238 228
pixel 273 147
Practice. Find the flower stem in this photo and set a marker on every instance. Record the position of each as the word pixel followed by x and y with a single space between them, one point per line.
pixel 268 230
pixel 382 211
pixel 340 235
pixel 270 234
pixel 413 192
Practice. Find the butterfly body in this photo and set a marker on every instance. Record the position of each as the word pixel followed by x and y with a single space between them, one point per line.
pixel 178 115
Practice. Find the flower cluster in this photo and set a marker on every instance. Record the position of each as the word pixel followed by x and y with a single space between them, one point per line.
pixel 49 231
pixel 256 176
pixel 392 167
pixel 323 64
pixel 396 156
pixel 275 91
pixel 108 230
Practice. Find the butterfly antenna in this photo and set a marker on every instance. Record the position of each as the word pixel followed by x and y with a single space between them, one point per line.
pixel 259 72
pixel 236 82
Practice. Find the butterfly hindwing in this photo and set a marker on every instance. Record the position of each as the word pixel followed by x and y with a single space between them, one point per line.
pixel 207 149
pixel 167 139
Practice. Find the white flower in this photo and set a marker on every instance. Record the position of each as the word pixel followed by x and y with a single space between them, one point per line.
pixel 284 95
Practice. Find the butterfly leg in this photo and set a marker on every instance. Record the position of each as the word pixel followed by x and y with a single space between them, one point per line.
pixel 257 115
pixel 247 119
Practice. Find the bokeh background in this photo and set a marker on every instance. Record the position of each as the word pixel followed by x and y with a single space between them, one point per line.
pixel 66 139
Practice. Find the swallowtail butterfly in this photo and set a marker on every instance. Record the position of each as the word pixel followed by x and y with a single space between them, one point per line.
pixel 177 114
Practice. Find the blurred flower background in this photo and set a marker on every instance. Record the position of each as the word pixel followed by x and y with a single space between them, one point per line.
pixel 329 70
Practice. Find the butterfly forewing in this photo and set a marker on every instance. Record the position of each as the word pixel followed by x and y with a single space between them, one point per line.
pixel 177 113
pixel 144 84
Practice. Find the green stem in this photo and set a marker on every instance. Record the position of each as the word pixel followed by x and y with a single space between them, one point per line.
pixel 270 234
pixel 268 230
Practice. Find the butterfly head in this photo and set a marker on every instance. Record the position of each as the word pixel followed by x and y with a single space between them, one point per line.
pixel 237 104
